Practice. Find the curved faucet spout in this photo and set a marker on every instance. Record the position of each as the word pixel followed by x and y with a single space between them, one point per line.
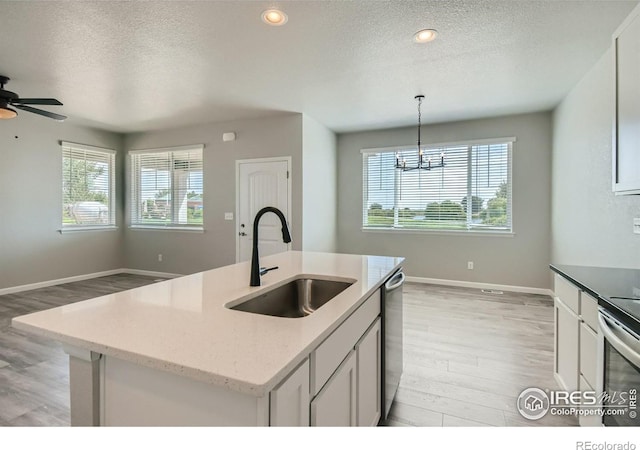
pixel 286 238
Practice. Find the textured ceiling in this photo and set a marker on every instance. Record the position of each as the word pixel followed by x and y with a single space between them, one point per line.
pixel 352 65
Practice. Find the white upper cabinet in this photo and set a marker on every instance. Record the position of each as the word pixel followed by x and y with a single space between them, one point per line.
pixel 626 124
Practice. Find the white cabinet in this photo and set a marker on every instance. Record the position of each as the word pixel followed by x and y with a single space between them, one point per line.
pixel 369 354
pixel 567 346
pixel 336 403
pixel 626 130
pixel 576 342
pixel 588 420
pixel 326 358
pixel 290 399
pixel 588 354
pixel 346 371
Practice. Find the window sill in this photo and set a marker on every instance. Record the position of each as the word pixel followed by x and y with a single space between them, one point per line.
pixel 474 233
pixel 65 230
pixel 159 228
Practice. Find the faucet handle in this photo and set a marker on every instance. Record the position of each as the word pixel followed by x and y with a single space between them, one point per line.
pixel 264 270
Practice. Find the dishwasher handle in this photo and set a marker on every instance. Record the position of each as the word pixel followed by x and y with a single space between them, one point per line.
pixel 394 282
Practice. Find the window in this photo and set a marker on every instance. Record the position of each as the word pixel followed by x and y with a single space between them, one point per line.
pixel 88 187
pixel 166 188
pixel 471 192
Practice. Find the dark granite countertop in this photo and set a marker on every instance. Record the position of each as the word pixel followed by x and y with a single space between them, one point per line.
pixel 617 290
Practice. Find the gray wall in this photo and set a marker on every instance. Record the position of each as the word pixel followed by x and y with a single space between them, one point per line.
pixel 31 248
pixel 319 186
pixel 521 260
pixel 591 226
pixel 188 252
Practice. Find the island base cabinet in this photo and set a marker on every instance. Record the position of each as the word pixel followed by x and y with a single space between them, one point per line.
pixel 135 395
pixel 369 377
pixel 290 400
pixel 335 405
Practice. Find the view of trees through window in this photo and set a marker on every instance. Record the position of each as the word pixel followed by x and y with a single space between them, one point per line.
pixel 167 188
pixel 86 187
pixel 470 192
pixel 158 209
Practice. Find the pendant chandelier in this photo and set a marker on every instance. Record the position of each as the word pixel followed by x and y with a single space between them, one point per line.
pixel 401 163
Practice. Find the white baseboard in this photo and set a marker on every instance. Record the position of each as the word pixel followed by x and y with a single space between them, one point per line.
pixel 88 276
pixel 473 284
pixel 151 273
pixel 41 284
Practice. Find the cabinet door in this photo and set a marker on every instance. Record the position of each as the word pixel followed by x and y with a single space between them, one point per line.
pixel 335 404
pixel 588 354
pixel 588 420
pixel 626 150
pixel 369 357
pixel 567 346
pixel 290 400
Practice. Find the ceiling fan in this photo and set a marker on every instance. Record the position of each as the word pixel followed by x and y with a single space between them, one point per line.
pixel 10 99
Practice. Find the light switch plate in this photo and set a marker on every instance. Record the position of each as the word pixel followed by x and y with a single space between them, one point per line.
pixel 636 225
pixel 228 216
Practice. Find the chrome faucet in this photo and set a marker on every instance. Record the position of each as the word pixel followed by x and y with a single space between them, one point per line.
pixel 256 271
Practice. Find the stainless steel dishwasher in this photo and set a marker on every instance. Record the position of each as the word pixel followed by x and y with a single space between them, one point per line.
pixel 392 338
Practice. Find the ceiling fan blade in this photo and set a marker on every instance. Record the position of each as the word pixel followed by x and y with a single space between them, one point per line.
pixel 37 101
pixel 41 112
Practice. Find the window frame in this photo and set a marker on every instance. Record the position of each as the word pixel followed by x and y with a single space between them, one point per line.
pixel 470 230
pixel 133 193
pixel 111 156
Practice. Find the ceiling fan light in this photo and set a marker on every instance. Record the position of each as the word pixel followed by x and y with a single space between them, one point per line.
pixel 7 113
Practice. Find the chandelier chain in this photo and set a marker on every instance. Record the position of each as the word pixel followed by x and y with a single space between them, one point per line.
pixel 419 120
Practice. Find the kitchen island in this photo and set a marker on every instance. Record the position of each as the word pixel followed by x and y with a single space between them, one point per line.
pixel 174 353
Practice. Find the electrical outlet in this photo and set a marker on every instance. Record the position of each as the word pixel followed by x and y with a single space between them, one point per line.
pixel 470 265
pixel 636 225
pixel 228 216
pixel 159 257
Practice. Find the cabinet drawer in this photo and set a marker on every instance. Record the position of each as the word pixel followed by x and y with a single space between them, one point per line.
pixel 589 310
pixel 588 354
pixel 328 356
pixel 567 293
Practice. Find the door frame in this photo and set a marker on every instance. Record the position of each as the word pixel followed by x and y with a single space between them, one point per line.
pixel 287 159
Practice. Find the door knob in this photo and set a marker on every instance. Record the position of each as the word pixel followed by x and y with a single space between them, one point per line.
pixel 242 233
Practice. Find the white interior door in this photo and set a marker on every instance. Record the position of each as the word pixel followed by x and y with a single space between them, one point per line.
pixel 261 183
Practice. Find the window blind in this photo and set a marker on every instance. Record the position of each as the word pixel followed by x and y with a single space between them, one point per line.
pixel 467 188
pixel 88 186
pixel 167 187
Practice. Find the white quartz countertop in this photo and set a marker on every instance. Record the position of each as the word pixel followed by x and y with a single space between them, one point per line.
pixel 182 325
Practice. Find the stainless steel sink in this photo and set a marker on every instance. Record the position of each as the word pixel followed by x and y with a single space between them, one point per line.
pixel 297 298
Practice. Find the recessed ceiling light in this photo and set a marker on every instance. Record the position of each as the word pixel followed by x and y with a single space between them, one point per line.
pixel 426 35
pixel 274 17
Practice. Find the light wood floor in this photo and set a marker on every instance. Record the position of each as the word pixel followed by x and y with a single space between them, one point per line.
pixel 467 356
pixel 34 374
